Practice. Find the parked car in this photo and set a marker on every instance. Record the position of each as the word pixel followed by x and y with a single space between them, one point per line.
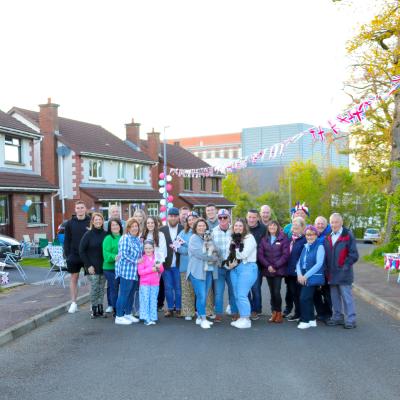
pixel 372 235
pixel 9 245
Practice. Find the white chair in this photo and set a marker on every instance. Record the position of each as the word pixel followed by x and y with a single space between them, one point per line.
pixel 58 264
pixel 13 260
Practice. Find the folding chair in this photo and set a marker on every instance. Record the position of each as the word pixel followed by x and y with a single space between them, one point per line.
pixel 58 264
pixel 13 259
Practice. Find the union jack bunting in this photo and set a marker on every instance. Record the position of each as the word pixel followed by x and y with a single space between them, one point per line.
pixel 333 127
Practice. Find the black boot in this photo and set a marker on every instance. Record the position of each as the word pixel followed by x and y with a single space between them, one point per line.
pixel 101 311
pixel 94 313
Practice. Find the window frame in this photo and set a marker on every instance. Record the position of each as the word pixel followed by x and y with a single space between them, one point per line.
pixel 203 184
pixel 13 146
pixel 100 166
pixel 135 178
pixel 121 177
pixel 37 203
pixel 189 180
pixel 215 184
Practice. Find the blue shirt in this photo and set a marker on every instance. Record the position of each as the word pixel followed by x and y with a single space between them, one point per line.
pixel 335 236
pixel 129 251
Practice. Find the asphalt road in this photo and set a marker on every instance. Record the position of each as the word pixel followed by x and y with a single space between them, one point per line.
pixel 78 358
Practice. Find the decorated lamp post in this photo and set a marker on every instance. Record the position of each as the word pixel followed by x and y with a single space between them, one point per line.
pixel 165 187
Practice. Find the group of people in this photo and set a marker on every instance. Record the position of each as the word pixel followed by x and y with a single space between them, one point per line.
pixel 184 266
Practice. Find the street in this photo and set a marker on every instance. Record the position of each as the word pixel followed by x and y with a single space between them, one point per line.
pixel 78 358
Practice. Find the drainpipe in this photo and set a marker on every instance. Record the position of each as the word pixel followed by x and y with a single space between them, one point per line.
pixel 53 229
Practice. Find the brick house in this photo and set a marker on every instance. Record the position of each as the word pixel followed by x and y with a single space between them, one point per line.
pixel 25 196
pixel 91 164
pixel 194 193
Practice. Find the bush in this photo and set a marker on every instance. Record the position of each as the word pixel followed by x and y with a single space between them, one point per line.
pixel 376 256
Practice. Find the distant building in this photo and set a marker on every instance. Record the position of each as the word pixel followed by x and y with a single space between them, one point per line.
pixel 216 150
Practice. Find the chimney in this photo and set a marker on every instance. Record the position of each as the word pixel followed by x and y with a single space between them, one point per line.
pixel 48 124
pixel 153 150
pixel 133 132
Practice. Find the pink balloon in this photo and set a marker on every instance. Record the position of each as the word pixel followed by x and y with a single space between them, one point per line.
pixel 164 219
pixel 163 208
pixel 169 187
pixel 170 198
pixel 162 175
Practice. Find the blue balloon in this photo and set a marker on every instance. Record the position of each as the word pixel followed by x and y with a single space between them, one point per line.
pixel 162 214
pixel 170 205
pixel 25 208
pixel 161 182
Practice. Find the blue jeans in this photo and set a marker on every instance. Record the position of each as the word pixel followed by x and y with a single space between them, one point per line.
pixel 255 295
pixel 201 289
pixel 172 287
pixel 125 296
pixel 112 288
pixel 243 278
pixel 224 275
pixel 307 303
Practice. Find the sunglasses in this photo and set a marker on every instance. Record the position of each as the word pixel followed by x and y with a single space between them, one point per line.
pixel 222 217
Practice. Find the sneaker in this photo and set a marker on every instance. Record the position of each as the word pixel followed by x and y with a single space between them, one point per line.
pixel 152 323
pixel 73 308
pixel 293 318
pixel 188 318
pixel 168 314
pixel 132 318
pixel 334 322
pixel 286 313
pixel 313 324
pixel 228 310
pixel 243 323
pixel 218 318
pixel 254 316
pixel 122 321
pixel 348 325
pixel 233 323
pixel 198 321
pixel 109 309
pixel 212 316
pixel 303 325
pixel 205 324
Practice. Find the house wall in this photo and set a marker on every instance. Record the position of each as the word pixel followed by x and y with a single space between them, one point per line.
pixel 26 155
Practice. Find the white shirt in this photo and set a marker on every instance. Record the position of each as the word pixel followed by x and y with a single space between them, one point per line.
pixel 173 231
pixel 335 236
pixel 249 253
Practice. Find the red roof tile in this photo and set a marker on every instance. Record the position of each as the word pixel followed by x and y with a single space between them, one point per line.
pixel 25 181
pixel 200 201
pixel 122 194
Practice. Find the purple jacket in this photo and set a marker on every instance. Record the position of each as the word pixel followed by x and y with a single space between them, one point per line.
pixel 275 254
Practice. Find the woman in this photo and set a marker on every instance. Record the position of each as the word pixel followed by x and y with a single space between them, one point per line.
pixel 310 274
pixel 201 270
pixel 140 217
pixel 188 299
pixel 110 255
pixel 151 232
pixel 129 252
pixel 293 288
pixel 273 255
pixel 244 275
pixel 91 253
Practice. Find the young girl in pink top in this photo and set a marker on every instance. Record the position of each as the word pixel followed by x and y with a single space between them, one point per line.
pixel 149 271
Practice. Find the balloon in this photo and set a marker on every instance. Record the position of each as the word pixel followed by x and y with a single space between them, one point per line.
pixel 161 182
pixel 169 187
pixel 163 202
pixel 161 175
pixel 163 219
pixel 28 203
pixel 169 178
pixel 161 190
pixel 163 208
pixel 162 215
pixel 170 205
pixel 25 208
pixel 170 198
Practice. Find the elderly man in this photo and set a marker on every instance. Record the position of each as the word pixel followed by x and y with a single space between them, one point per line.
pixel 222 235
pixel 266 214
pixel 322 296
pixel 341 254
pixel 114 212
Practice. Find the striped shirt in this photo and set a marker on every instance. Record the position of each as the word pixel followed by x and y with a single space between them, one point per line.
pixel 222 240
pixel 130 250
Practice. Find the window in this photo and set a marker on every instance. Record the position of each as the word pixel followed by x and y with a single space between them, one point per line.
pixel 215 185
pixel 226 153
pixel 138 173
pixel 3 210
pixel 35 211
pixel 188 184
pixel 95 169
pixel 203 183
pixel 12 147
pixel 152 209
pixel 121 174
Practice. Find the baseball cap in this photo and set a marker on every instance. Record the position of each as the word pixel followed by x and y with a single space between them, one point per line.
pixel 223 212
pixel 173 211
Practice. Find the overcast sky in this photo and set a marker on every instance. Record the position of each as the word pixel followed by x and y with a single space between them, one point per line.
pixel 201 67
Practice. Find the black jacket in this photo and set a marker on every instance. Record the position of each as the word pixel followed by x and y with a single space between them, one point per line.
pixel 74 230
pixel 91 249
pixel 170 252
pixel 258 232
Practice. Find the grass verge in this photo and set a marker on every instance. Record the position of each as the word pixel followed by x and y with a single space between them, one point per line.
pixel 376 257
pixel 36 262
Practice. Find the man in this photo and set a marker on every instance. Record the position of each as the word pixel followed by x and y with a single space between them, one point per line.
pixel 258 230
pixel 171 275
pixel 266 214
pixel 341 254
pixel 114 212
pixel 299 210
pixel 221 236
pixel 211 213
pixel 322 296
pixel 183 213
pixel 75 228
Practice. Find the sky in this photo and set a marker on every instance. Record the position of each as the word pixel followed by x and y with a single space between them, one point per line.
pixel 199 67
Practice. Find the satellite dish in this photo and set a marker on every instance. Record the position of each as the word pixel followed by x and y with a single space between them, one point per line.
pixel 63 151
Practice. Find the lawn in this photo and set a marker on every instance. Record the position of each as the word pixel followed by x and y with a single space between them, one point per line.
pixel 40 262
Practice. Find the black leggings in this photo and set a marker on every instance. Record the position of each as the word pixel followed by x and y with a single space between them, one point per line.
pixel 274 284
pixel 293 289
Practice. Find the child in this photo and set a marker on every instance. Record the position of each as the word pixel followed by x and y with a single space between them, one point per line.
pixel 150 271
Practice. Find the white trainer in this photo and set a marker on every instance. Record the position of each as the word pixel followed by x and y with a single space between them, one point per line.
pixel 198 321
pixel 131 318
pixel 233 323
pixel 313 324
pixel 228 309
pixel 205 324
pixel 303 325
pixel 109 309
pixel 73 308
pixel 243 323
pixel 188 318
pixel 122 321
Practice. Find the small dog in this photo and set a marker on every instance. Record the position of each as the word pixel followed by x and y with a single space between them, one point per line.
pixel 232 262
pixel 210 248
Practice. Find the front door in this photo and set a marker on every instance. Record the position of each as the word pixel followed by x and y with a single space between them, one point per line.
pixel 5 215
